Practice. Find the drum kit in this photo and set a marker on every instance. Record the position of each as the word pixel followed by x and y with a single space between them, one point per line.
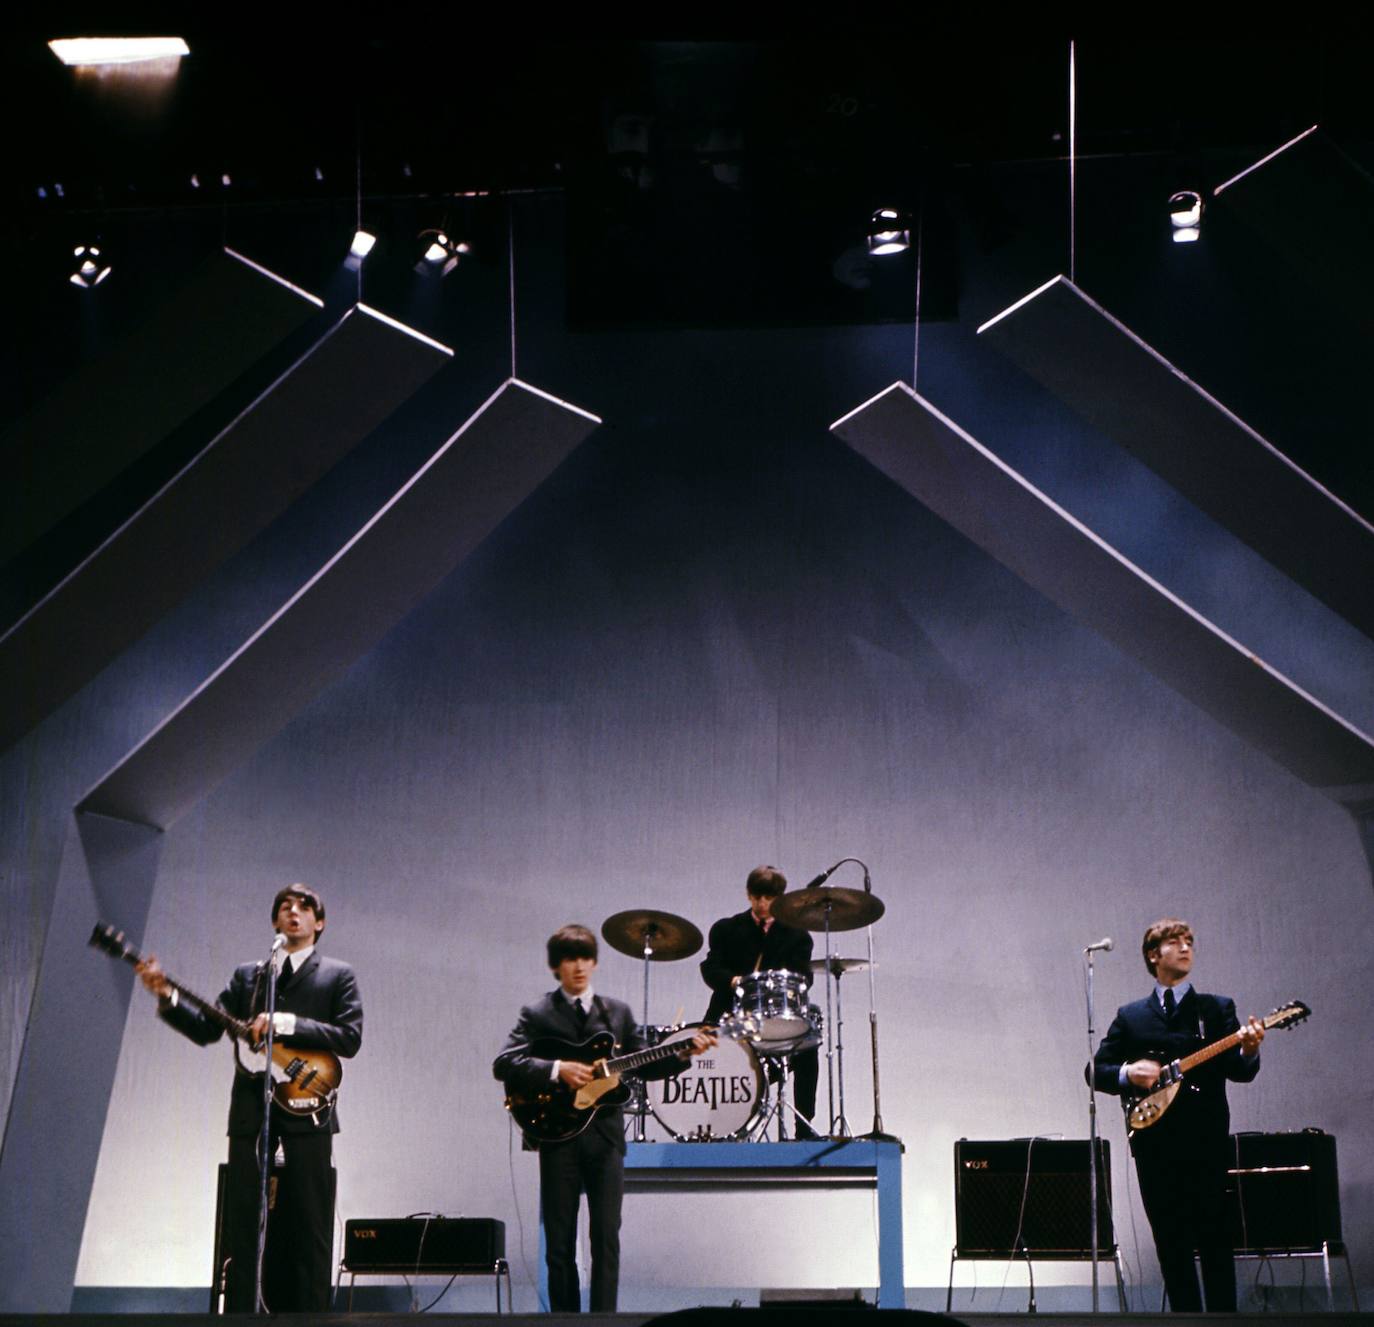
pixel 736 1090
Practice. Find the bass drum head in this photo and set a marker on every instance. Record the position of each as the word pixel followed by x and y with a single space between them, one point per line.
pixel 717 1096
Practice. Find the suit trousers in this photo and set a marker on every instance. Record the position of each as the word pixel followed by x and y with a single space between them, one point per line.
pixel 300 1229
pixel 1185 1200
pixel 592 1164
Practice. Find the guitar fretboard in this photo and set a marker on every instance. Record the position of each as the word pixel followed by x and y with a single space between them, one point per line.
pixel 627 1064
pixel 114 944
pixel 1227 1042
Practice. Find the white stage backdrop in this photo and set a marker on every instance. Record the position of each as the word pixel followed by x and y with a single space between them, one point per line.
pixel 717 639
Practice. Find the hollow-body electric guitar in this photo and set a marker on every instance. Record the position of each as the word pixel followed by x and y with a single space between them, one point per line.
pixel 1146 1108
pixel 555 1113
pixel 304 1082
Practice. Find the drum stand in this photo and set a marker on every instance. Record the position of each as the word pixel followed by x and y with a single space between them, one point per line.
pixel 779 1103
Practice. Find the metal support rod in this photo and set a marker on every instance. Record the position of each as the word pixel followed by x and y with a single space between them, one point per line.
pixel 1094 1160
pixel 641 1112
pixel 265 1138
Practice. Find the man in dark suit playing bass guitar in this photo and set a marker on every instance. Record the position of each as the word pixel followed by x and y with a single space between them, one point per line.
pixel 318 1009
pixel 591 1161
pixel 1181 1160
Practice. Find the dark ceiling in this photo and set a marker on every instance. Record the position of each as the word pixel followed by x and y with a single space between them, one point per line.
pixel 710 176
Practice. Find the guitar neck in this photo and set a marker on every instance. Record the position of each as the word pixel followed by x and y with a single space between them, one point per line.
pixel 1220 1047
pixel 235 1027
pixel 628 1064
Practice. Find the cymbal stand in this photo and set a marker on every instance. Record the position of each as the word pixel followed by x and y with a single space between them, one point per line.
pixel 642 1110
pixel 840 1128
pixel 834 1055
pixel 877 1134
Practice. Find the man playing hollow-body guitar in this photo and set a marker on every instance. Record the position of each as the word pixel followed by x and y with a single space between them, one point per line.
pixel 592 1162
pixel 1181 1160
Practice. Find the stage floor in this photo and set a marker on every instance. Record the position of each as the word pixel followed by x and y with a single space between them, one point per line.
pixel 705 1317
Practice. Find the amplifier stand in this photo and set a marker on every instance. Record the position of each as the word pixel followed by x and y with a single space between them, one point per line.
pixel 497 1270
pixel 1328 1250
pixel 1114 1252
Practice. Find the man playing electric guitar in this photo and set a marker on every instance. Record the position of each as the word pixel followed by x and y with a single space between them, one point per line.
pixel 593 1161
pixel 318 1008
pixel 1181 1160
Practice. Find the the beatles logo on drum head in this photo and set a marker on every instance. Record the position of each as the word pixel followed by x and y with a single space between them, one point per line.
pixel 718 1095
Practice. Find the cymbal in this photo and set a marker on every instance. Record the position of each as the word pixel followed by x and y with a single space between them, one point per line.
pixel 838 966
pixel 848 909
pixel 670 937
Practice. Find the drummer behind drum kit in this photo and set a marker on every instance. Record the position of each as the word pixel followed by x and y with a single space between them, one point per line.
pixel 736 1089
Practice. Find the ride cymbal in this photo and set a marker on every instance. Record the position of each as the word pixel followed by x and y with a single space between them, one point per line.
pixel 669 937
pixel 845 909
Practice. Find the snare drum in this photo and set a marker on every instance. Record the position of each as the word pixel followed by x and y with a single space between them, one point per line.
pixel 718 1095
pixel 773 1009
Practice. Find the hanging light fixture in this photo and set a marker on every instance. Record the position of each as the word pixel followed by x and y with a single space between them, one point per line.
pixel 1185 215
pixel 91 267
pixel 889 231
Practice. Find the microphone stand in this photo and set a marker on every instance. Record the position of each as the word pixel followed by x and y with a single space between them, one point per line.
pixel 265 1139
pixel 1094 1160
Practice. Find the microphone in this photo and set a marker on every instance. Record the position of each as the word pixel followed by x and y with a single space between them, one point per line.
pixel 1105 943
pixel 825 875
pixel 278 942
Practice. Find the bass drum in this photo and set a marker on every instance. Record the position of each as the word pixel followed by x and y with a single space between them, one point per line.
pixel 718 1096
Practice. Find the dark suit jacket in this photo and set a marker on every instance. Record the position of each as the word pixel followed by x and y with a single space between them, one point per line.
pixel 736 946
pixel 553 1016
pixel 1199 1118
pixel 329 1016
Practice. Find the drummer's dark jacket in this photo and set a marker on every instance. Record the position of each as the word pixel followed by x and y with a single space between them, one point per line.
pixel 554 1017
pixel 329 1016
pixel 738 945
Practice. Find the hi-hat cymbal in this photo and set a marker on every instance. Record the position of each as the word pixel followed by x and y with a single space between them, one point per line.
pixel 669 937
pixel 839 966
pixel 846 909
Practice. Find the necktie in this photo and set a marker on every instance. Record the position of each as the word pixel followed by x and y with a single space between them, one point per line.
pixel 580 1013
pixel 287 971
pixel 1169 1004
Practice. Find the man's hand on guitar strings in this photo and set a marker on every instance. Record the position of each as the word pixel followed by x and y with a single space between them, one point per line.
pixel 1143 1073
pixel 1251 1034
pixel 574 1074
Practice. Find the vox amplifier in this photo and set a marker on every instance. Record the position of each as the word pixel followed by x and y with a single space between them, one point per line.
pixel 437 1245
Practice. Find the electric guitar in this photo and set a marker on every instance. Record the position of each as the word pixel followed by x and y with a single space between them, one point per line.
pixel 304 1082
pixel 1146 1108
pixel 554 1113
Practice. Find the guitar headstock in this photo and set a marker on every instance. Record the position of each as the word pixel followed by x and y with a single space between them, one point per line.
pixel 112 941
pixel 1288 1015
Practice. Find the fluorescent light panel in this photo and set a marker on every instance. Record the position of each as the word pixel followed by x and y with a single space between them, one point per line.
pixel 116 50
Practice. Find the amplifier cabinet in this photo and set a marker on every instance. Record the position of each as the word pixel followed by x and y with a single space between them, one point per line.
pixel 416 1244
pixel 991 1180
pixel 1284 1192
pixel 275 1266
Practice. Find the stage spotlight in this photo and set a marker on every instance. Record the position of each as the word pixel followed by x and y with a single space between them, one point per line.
pixel 117 50
pixel 362 244
pixel 1185 215
pixel 91 267
pixel 889 231
pixel 442 254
